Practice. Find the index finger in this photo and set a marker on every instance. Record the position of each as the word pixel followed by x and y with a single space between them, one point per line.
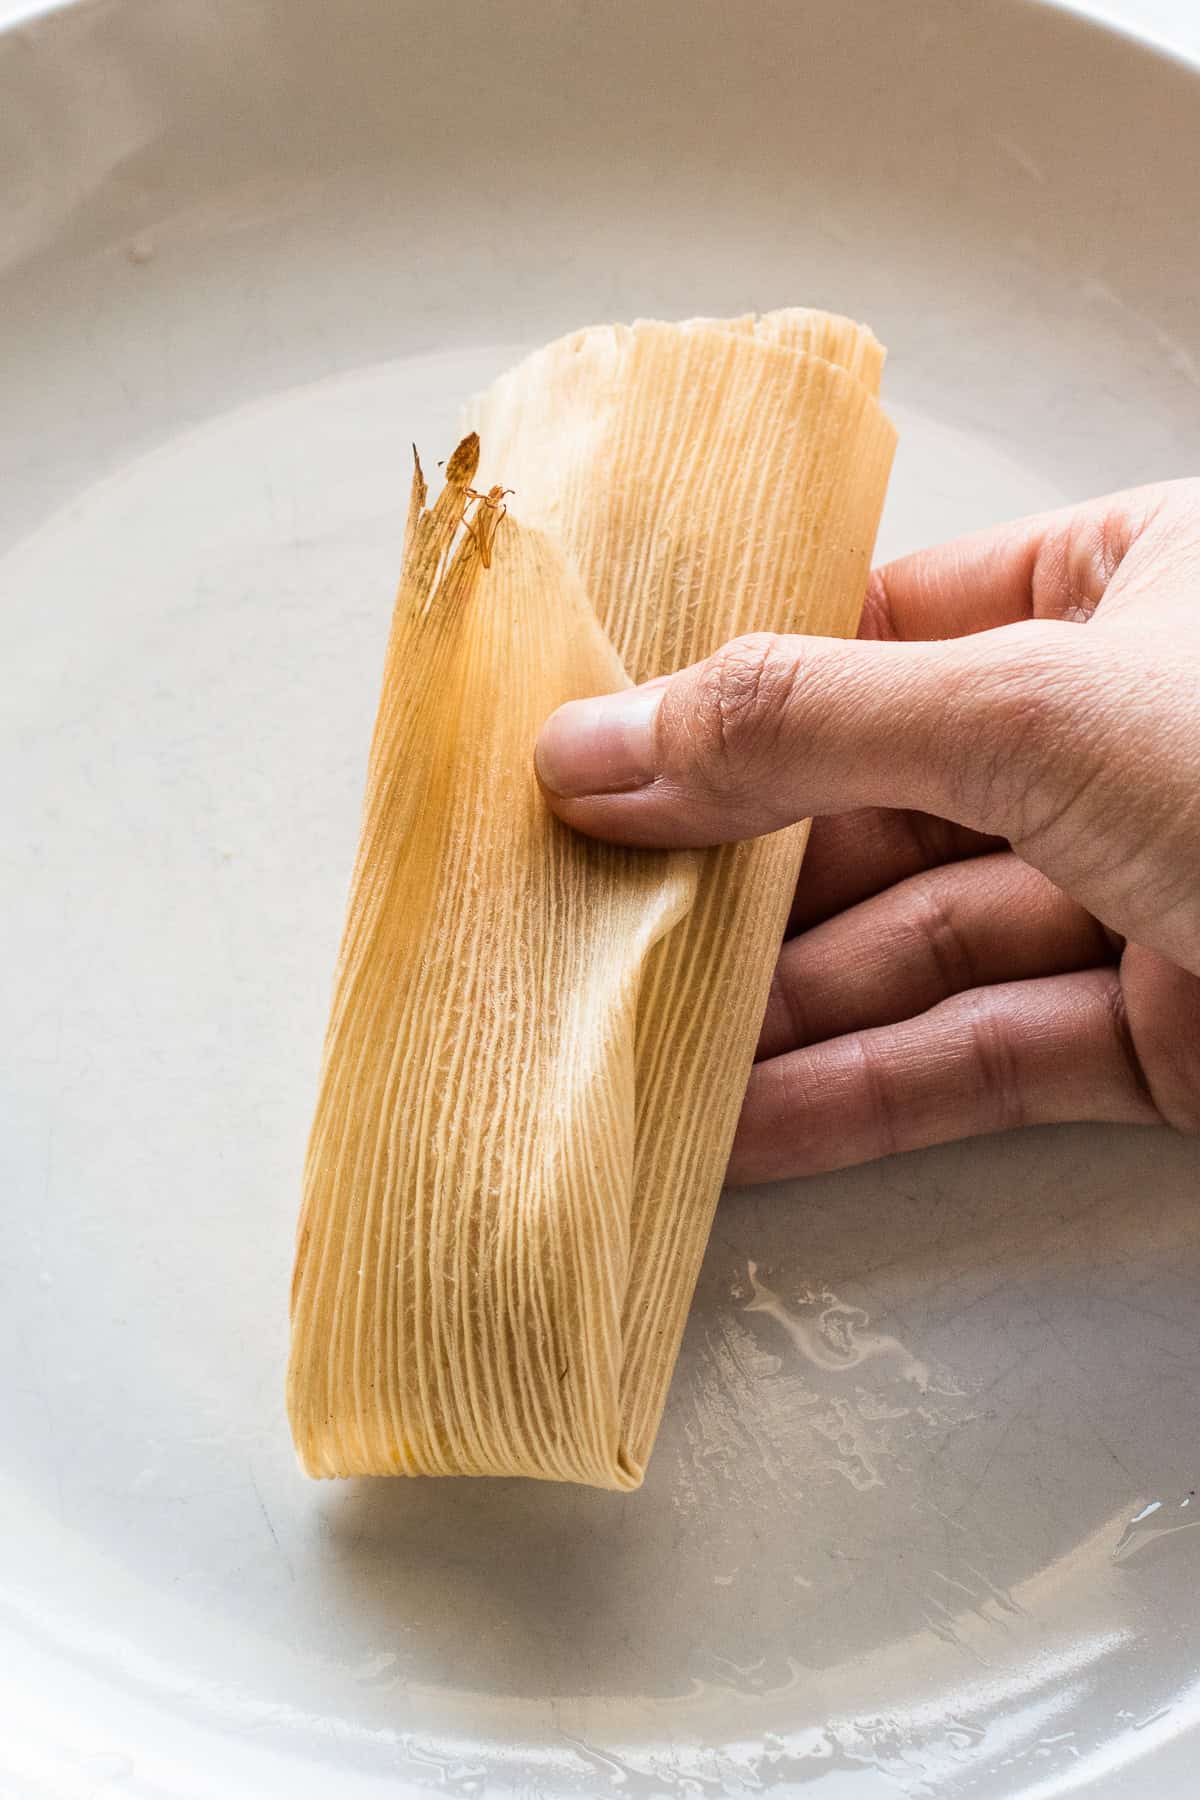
pixel 1053 565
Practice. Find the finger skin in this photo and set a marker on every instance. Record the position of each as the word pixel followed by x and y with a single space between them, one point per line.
pixel 1163 1004
pixel 1077 744
pixel 1056 709
pixel 771 728
pixel 1052 565
pixel 852 856
pixel 1022 1053
pixel 860 728
pixel 965 925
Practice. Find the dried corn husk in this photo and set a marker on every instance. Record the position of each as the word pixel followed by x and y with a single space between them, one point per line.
pixel 539 1044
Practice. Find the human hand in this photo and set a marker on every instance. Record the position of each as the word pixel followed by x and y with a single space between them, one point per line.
pixel 998 918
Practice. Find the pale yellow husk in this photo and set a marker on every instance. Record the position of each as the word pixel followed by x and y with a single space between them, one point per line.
pixel 538 1043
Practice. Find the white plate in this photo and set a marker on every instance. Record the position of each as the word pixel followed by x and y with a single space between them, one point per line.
pixel 249 252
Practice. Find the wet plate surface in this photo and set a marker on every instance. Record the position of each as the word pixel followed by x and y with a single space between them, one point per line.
pixel 921 1517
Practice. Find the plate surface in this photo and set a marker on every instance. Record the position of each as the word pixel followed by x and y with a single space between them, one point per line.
pixel 249 251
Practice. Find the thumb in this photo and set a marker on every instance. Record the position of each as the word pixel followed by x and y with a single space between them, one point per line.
pixel 772 729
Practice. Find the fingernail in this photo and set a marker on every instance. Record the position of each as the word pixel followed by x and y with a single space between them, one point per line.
pixel 601 746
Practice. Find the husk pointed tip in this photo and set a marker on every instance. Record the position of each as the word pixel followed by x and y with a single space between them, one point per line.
pixel 461 467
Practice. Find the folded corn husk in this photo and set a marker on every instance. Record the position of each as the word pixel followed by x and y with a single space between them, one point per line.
pixel 539 1044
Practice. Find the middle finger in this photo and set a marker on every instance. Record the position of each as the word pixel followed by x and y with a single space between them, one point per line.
pixel 853 855
pixel 964 925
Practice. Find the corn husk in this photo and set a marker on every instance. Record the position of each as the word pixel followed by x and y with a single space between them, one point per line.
pixel 539 1044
